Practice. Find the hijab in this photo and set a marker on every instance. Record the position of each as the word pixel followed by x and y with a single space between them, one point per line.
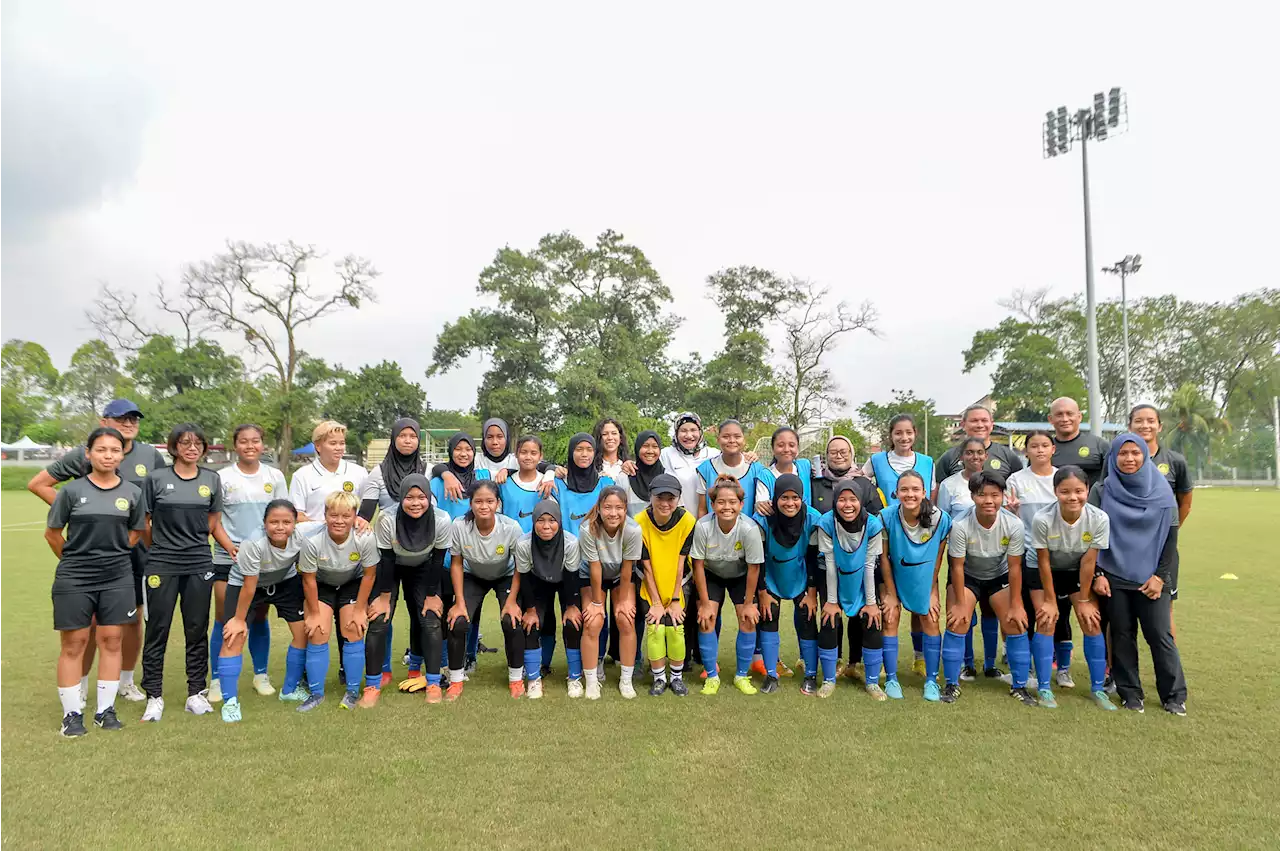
pixel 465 475
pixel 416 534
pixel 857 524
pixel 547 556
pixel 787 530
pixel 827 462
pixel 506 434
pixel 396 466
pixel 688 417
pixel 645 473
pixel 581 479
pixel 1140 507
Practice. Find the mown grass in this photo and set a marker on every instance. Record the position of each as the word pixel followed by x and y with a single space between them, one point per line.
pixel 728 771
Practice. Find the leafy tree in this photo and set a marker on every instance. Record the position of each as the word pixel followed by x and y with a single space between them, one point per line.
pixel 846 428
pixel 198 383
pixel 811 332
pixel 1191 421
pixel 369 400
pixel 445 418
pixel 750 298
pixel 875 418
pixel 30 381
pixel 92 380
pixel 737 383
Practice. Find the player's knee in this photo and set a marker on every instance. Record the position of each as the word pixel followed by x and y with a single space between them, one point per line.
pixel 892 616
pixel 233 647
pixel 431 622
pixel 509 624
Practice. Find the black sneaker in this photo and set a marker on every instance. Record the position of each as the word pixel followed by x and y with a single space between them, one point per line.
pixel 950 693
pixel 480 645
pixel 678 688
pixel 992 673
pixel 546 671
pixel 1174 707
pixel 770 685
pixel 1109 685
pixel 1134 704
pixel 658 687
pixel 809 686
pixel 1023 695
pixel 73 725
pixel 107 720
pixel 968 674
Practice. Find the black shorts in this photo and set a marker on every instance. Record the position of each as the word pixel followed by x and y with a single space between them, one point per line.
pixel 337 596
pixel 717 586
pixel 1065 582
pixel 221 572
pixel 985 589
pixel 605 584
pixel 77 609
pixel 286 596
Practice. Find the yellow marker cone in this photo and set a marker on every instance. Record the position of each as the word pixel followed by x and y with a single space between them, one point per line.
pixel 1228 576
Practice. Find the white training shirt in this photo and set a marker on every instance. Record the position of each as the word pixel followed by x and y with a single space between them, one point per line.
pixel 312 484
pixel 627 545
pixel 953 495
pixel 727 554
pixel 1034 493
pixel 487 557
pixel 337 564
pixel 1068 542
pixel 271 565
pixel 685 469
pixel 384 535
pixel 244 502
pixel 986 551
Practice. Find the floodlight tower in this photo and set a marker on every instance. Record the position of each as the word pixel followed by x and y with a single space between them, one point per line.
pixel 1109 116
pixel 1124 268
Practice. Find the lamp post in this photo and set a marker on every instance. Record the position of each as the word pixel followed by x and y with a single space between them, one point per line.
pixel 1109 116
pixel 1124 268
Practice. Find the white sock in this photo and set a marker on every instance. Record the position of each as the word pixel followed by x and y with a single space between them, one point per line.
pixel 84 687
pixel 590 675
pixel 677 670
pixel 514 675
pixel 107 694
pixel 627 672
pixel 70 697
pixel 659 673
pixel 456 675
pixel 126 678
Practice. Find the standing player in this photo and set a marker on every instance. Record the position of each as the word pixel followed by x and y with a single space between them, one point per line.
pixel 184 508
pixel 977 422
pixel 580 489
pixel 612 459
pixel 495 458
pixel 985 548
pixel 687 451
pixel 247 487
pixel 328 472
pixel 785 445
pixel 547 562
pixel 734 463
pixel 1071 446
pixel 885 467
pixel 648 467
pixel 522 490
pixel 94 578
pixel 667 530
pixel 139 460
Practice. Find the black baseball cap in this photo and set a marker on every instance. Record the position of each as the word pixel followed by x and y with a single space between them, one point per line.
pixel 665 483
pixel 118 408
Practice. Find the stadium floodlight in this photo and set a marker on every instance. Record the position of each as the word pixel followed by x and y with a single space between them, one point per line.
pixel 1124 268
pixel 1108 116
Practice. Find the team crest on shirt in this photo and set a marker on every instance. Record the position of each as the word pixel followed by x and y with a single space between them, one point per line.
pixel 737 545
pixel 1004 541
pixel 1084 452
pixel 203 490
pixel 348 487
pixel 995 463
pixel 267 487
pixel 141 469
pixel 924 539
pixel 153 581
pixel 353 557
pixel 501 549
pixel 1163 468
pixel 1087 537
pixel 122 504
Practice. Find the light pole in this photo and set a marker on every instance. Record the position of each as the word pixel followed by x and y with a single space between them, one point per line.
pixel 1124 268
pixel 1109 116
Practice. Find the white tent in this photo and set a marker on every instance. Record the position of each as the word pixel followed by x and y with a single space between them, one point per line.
pixel 22 446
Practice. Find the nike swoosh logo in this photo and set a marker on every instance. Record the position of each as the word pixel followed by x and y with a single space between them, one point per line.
pixel 911 563
pixel 526 513
pixel 132 612
pixel 577 516
pixel 299 612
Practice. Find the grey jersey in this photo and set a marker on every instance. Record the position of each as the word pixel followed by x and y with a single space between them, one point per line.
pixel 271 565
pixel 1068 542
pixel 627 545
pixel 986 551
pixel 487 557
pixel 137 463
pixel 337 564
pixel 180 510
pixel 572 556
pixel 727 554
pixel 98 522
pixel 384 532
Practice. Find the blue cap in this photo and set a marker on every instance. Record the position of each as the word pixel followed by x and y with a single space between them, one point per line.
pixel 117 408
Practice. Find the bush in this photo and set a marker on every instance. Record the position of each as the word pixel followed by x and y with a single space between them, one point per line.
pixel 16 478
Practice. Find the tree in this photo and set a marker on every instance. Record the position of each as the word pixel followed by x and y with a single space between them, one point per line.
pixel 810 332
pixel 846 428
pixel 266 294
pixel 197 383
pixel 1191 422
pixel 1030 370
pixel 750 298
pixel 875 419
pixel 369 400
pixel 92 379
pixel 737 383
pixel 30 381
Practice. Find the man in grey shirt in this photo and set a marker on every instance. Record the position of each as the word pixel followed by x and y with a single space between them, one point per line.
pixel 978 422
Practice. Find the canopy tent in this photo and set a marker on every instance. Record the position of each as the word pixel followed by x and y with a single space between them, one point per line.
pixel 22 446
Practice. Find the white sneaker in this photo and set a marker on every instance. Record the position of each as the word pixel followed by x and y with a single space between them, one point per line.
pixel 132 693
pixel 214 691
pixel 593 688
pixel 827 688
pixel 1032 683
pixel 262 685
pixel 155 708
pixel 534 691
pixel 198 704
pixel 575 688
pixel 600 674
pixel 1063 678
pixel 626 689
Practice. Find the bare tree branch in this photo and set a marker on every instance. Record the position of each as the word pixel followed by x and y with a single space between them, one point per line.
pixel 115 316
pixel 810 333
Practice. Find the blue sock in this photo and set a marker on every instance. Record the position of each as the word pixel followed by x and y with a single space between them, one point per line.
pixel 770 647
pixel 433 679
pixel 1042 655
pixel 889 657
pixel 745 648
pixel 990 641
pixel 444 655
pixel 952 657
pixel 259 645
pixel 1019 650
pixel 353 661
pixel 575 663
pixel 294 661
pixel 1095 655
pixel 1063 650
pixel 809 653
pixel 827 657
pixel 386 659
pixel 533 664
pixel 873 661
pixel 317 666
pixel 709 647
pixel 548 649
pixel 917 641
pixel 473 640
pixel 932 653
pixel 215 644
pixel 759 644
pixel 229 675
pixel 415 662
pixel 968 643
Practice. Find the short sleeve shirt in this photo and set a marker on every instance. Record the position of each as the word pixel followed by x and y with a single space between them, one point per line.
pixel 1000 458
pixel 727 554
pixel 1034 493
pixel 953 495
pixel 137 463
pixel 1173 466
pixel 271 565
pixel 1068 542
pixel 723 469
pixel 244 502
pixel 312 484
pixel 986 551
pixel 488 557
pixel 180 510
pixel 384 532
pixel 98 522
pixel 337 564
pixel 627 545
pixel 572 554
pixel 1086 451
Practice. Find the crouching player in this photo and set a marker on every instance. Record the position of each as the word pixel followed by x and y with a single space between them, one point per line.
pixel 790 556
pixel 667 529
pixel 547 563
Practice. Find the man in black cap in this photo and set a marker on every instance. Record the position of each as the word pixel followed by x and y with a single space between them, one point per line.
pixel 139 460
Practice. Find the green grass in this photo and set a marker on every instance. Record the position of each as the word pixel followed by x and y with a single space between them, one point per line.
pixel 14 478
pixel 726 771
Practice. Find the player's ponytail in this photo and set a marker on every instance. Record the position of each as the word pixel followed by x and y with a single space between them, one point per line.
pixel 726 482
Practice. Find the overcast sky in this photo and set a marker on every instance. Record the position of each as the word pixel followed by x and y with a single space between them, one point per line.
pixel 892 155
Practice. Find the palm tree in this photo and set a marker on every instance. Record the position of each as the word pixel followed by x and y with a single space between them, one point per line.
pixel 1190 422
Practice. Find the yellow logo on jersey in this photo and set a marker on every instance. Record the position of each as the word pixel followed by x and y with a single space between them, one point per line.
pixel 203 490
pixel 140 470
pixel 1084 452
pixel 353 557
pixel 1087 538
pixel 501 549
pixel 737 545
pixel 1004 542
pixel 1163 468
pixel 122 504
pixel 995 463
pixel 348 487
pixel 153 581
pixel 924 539
pixel 267 487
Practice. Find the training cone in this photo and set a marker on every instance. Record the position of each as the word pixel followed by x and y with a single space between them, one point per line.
pixel 1228 576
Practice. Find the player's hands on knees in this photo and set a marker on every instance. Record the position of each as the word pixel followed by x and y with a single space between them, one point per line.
pixel 530 620
pixel 314 624
pixel 655 614
pixel 625 610
pixel 1088 614
pixel 872 613
pixel 830 613
pixel 356 621
pixel 766 605
pixel 935 604
pixel 433 604
pixel 809 603
pixel 675 610
pixel 457 610
pixel 748 615
pixel 512 610
pixel 706 614
pixel 955 620
pixel 234 630
pixel 1017 615
pixel 1046 616
pixel 379 606
pixel 593 615
pixel 573 615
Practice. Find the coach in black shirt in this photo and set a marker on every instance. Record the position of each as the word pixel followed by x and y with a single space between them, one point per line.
pixel 978 422
pixel 1072 446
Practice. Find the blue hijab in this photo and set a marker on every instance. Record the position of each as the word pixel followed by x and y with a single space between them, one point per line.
pixel 1140 507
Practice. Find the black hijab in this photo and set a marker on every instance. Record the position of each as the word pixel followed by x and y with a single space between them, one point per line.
pixel 398 465
pixel 857 524
pixel 581 479
pixel 547 556
pixel 645 473
pixel 787 530
pixel 416 534
pixel 506 434
pixel 465 475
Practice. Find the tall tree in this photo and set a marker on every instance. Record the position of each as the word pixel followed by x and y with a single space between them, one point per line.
pixel 1030 370
pixel 369 400
pixel 92 379
pixel 811 331
pixel 30 382
pixel 1191 421
pixel 197 383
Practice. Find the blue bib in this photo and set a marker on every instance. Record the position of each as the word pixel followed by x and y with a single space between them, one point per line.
pixel 785 573
pixel 913 563
pixel 455 508
pixel 574 506
pixel 887 477
pixel 755 473
pixel 851 566
pixel 518 503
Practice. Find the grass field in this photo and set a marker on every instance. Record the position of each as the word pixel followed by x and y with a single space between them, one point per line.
pixel 728 771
